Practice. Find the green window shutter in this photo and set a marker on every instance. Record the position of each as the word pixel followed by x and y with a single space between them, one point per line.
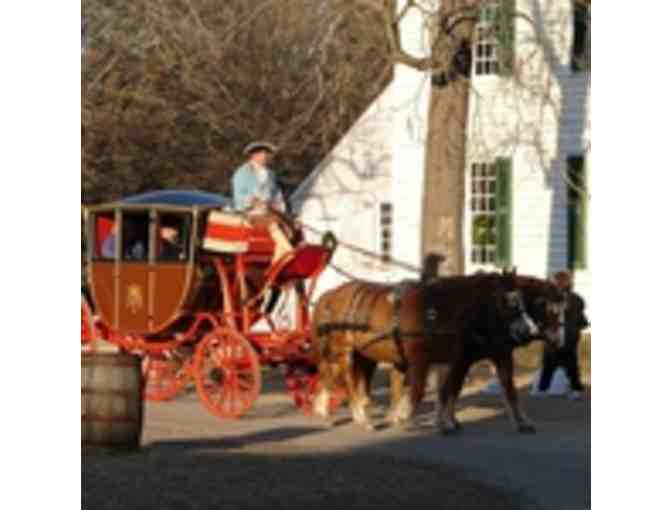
pixel 506 36
pixel 504 211
pixel 577 213
pixel 581 42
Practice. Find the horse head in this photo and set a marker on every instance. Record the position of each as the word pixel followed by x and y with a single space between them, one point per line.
pixel 546 304
pixel 512 311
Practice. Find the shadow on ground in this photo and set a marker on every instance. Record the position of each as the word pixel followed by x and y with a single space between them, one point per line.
pixel 277 458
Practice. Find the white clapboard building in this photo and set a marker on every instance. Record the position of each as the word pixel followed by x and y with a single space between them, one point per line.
pixel 528 136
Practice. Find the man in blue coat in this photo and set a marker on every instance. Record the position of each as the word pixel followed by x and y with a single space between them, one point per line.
pixel 255 187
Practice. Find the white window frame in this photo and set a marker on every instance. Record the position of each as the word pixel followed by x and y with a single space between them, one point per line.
pixel 482 201
pixel 484 56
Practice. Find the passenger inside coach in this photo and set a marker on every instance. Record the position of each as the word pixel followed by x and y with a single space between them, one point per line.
pixel 134 243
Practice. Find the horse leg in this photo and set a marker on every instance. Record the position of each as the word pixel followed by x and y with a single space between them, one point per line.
pixel 350 374
pixel 505 374
pixel 362 371
pixel 398 407
pixel 441 373
pixel 449 391
pixel 417 380
pixel 328 373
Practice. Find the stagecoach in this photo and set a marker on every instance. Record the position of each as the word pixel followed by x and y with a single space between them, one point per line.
pixel 195 289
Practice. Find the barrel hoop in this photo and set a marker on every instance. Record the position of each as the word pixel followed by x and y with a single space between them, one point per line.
pixel 111 445
pixel 95 418
pixel 107 361
pixel 117 393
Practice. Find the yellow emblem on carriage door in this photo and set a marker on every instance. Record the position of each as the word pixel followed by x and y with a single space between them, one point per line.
pixel 134 301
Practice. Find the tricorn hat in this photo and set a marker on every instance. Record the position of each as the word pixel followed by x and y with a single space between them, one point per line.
pixel 260 145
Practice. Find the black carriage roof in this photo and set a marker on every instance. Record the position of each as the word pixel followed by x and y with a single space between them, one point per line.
pixel 178 199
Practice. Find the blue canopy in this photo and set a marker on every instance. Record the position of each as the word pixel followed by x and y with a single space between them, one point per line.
pixel 179 197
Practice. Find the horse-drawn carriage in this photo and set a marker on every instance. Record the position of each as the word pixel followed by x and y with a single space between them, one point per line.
pixel 192 287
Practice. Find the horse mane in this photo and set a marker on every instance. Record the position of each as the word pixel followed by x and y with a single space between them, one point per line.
pixel 532 282
pixel 476 281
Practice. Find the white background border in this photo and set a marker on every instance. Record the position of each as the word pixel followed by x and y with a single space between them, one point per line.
pixel 630 232
pixel 40 161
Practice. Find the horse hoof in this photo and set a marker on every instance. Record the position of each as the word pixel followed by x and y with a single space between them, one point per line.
pixel 527 428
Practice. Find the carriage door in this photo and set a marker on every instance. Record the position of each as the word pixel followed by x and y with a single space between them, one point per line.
pixel 134 299
pixel 170 275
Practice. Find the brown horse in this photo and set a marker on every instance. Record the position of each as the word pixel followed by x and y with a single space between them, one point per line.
pixel 410 326
pixel 546 305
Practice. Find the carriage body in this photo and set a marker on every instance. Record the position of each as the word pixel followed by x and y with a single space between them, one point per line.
pixel 175 271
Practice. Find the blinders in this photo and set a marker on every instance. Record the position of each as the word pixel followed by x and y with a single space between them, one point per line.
pixel 522 329
pixel 549 311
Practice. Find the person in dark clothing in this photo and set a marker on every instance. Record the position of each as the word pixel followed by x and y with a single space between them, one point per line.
pixel 566 356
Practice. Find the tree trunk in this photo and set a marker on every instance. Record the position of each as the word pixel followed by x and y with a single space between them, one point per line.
pixel 444 183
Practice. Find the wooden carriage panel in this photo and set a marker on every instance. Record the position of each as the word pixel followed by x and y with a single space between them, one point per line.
pixel 134 299
pixel 102 287
pixel 170 285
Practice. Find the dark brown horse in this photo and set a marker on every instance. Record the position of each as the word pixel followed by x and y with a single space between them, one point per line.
pixel 411 326
pixel 545 304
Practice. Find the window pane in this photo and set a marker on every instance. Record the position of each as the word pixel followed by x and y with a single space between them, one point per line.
pixel 173 237
pixel 135 236
pixel 104 234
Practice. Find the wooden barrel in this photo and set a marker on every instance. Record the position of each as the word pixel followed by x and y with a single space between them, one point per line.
pixel 112 403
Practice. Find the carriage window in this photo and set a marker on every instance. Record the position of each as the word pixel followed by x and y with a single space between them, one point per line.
pixel 135 236
pixel 104 236
pixel 173 237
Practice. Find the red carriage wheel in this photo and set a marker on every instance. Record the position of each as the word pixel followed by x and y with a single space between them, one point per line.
pixel 165 376
pixel 303 383
pixel 88 329
pixel 227 375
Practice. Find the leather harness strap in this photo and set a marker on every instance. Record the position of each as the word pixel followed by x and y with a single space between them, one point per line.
pixel 357 317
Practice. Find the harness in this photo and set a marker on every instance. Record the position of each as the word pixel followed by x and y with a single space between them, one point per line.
pixel 357 319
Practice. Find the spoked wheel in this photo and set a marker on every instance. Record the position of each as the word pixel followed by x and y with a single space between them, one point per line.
pixel 227 375
pixel 303 383
pixel 165 376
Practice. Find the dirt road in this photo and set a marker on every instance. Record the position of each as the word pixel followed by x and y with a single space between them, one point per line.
pixel 277 458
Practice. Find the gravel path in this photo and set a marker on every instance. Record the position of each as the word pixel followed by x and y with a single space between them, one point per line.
pixel 277 458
